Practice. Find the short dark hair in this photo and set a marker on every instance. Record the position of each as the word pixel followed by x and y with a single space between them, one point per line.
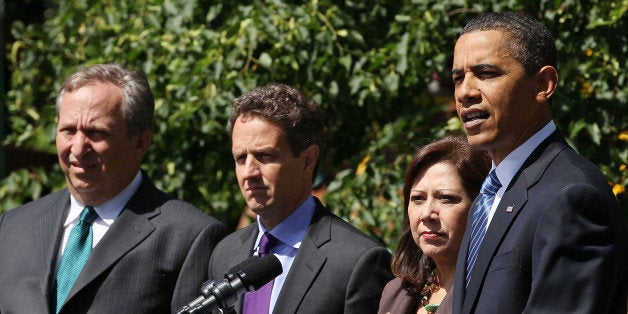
pixel 299 116
pixel 139 103
pixel 409 263
pixel 531 42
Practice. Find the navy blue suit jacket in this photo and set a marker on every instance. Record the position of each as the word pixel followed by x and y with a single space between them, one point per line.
pixel 556 243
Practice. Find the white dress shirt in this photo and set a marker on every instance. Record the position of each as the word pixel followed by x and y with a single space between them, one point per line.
pixel 507 169
pixel 107 213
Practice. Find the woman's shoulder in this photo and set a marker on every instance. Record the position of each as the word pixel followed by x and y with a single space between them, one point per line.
pixel 395 299
pixel 393 286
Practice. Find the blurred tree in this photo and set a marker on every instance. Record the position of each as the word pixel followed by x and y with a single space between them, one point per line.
pixel 3 76
pixel 380 69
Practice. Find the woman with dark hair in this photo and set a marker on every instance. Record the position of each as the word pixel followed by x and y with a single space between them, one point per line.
pixel 441 182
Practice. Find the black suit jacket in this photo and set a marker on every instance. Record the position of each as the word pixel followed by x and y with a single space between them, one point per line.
pixel 152 259
pixel 337 269
pixel 556 244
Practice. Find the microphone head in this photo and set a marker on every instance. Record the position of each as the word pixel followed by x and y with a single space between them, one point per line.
pixel 244 265
pixel 257 271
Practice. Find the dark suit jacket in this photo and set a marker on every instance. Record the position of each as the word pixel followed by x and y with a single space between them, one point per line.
pixel 338 269
pixel 395 300
pixel 152 259
pixel 556 244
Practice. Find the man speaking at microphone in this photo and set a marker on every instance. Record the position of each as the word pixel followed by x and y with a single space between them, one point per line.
pixel 328 265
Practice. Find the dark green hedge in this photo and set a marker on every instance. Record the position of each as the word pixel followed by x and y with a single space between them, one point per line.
pixel 379 68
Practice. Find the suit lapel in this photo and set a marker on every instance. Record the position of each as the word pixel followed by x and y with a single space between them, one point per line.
pixel 48 233
pixel 307 263
pixel 507 210
pixel 129 229
pixel 248 240
pixel 510 206
pixel 244 251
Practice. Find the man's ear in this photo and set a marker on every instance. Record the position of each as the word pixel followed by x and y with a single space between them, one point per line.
pixel 310 158
pixel 547 80
pixel 142 142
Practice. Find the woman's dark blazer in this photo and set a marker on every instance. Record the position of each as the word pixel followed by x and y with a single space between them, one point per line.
pixel 395 300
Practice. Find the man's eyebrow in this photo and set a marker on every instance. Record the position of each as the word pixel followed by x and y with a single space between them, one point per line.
pixel 477 68
pixel 484 66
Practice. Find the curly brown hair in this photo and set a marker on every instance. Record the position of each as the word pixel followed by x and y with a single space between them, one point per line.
pixel 299 116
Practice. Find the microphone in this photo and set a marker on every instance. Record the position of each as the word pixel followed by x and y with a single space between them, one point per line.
pixel 249 275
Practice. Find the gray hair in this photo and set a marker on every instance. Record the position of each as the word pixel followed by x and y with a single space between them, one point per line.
pixel 139 102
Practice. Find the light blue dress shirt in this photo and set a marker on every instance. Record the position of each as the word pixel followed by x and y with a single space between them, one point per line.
pixel 290 234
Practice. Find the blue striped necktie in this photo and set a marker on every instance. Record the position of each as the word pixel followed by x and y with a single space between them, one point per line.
pixel 76 252
pixel 481 208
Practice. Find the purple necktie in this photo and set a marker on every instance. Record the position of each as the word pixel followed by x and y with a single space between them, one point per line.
pixel 258 301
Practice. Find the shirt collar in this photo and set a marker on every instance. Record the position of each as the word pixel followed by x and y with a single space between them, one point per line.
pixel 507 169
pixel 292 230
pixel 109 210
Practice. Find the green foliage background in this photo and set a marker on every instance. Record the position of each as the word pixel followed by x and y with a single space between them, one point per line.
pixel 371 64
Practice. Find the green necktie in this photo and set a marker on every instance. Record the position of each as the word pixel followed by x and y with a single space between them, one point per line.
pixel 77 250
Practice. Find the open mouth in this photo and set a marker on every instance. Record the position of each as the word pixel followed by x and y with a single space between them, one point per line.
pixel 256 189
pixel 475 115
